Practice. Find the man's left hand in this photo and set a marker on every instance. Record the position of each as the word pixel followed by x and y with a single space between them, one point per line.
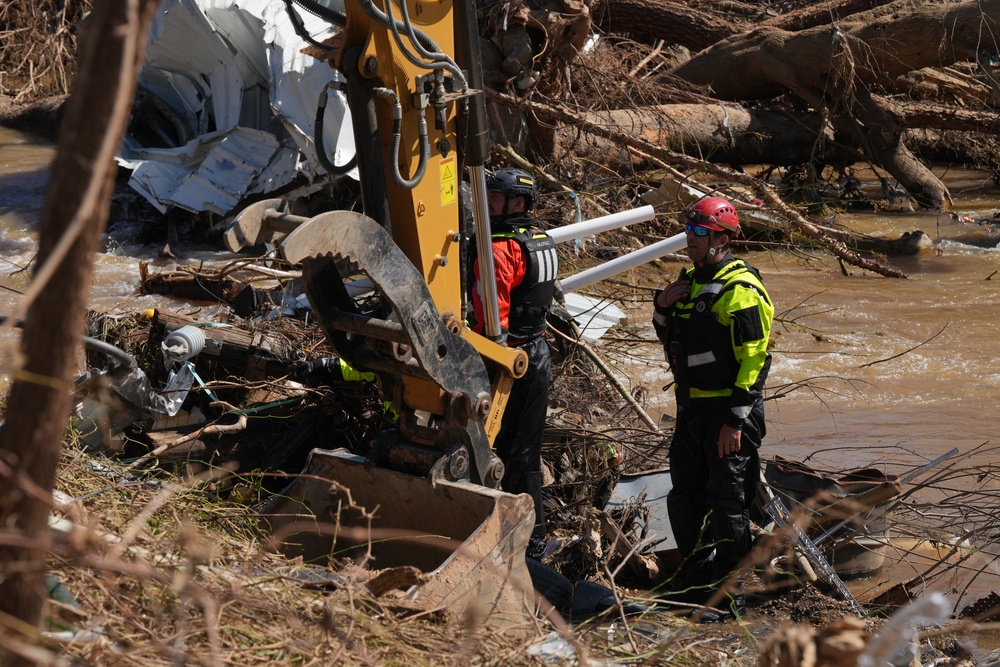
pixel 729 440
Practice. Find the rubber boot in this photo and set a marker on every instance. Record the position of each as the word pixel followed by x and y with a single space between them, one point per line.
pixel 736 603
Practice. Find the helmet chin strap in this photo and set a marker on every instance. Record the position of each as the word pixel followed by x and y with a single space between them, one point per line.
pixel 712 250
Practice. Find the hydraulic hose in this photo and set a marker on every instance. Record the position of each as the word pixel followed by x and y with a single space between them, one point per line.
pixel 445 61
pixel 124 359
pixel 397 134
pixel 119 355
pixel 317 9
pixel 321 155
pixel 300 29
pixel 393 25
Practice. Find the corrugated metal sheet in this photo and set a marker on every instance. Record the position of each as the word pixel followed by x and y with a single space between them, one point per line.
pixel 230 103
pixel 227 172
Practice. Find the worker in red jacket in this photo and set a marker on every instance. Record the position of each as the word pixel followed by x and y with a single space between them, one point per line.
pixel 525 261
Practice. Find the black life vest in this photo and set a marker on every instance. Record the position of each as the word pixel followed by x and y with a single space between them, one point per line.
pixel 531 300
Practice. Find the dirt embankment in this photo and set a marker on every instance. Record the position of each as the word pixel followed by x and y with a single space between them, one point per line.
pixel 40 117
pixel 38 62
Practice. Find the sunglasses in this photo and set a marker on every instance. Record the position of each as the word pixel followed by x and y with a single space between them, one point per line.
pixel 697 230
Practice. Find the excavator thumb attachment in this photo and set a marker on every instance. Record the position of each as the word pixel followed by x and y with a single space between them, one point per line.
pixel 466 540
pixel 415 343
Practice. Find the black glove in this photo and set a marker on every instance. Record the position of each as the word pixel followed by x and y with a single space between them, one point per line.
pixel 325 368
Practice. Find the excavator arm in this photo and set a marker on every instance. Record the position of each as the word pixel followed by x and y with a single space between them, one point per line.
pixel 413 86
pixel 428 491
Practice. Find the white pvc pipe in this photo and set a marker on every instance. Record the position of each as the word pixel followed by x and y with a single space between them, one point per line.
pixel 624 263
pixel 602 224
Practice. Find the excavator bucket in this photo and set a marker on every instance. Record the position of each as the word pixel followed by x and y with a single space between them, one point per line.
pixel 465 541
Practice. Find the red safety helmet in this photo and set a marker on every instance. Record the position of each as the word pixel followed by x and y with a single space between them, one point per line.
pixel 716 213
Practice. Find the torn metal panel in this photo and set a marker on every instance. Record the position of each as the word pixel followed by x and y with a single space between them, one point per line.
pixel 226 172
pixel 654 486
pixel 211 173
pixel 188 66
pixel 593 316
pixel 226 106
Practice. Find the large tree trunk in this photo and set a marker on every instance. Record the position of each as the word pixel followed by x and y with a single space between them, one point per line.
pixel 882 138
pixel 73 219
pixel 676 22
pixel 41 117
pixel 721 133
pixel 681 23
pixel 872 47
pixel 734 135
pixel 822 14
pixel 931 116
pixel 881 44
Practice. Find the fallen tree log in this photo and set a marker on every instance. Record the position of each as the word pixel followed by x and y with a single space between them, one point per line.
pixel 249 354
pixel 821 14
pixel 909 244
pixel 188 285
pixel 720 133
pixel 684 24
pixel 884 43
pixel 666 158
pixel 932 116
pixel 40 117
pixel 676 22
pixel 869 48
pixel 733 134
pixel 933 83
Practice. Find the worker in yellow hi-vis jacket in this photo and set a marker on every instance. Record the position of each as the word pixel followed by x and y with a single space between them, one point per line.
pixel 714 322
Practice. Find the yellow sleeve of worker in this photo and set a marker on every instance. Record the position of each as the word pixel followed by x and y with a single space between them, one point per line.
pixel 749 315
pixel 351 374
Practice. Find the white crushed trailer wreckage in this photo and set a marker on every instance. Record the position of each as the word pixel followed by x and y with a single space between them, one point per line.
pixel 227 107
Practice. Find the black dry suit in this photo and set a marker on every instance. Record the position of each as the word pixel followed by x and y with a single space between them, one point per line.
pixel 715 340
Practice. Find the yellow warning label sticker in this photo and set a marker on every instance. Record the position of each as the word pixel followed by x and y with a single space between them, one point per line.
pixel 449 181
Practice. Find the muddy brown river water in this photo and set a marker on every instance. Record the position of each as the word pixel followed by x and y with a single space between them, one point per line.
pixel 890 373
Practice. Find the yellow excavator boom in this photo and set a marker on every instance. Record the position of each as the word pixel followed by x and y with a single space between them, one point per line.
pixel 428 488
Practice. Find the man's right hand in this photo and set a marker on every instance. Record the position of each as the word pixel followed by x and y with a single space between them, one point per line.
pixel 672 293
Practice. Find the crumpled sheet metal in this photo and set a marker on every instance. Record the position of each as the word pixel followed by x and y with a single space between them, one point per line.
pixel 226 106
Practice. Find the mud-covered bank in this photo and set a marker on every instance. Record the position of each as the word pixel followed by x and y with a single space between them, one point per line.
pixel 40 117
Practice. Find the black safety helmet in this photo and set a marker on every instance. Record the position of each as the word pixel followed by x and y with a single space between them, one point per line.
pixel 514 183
